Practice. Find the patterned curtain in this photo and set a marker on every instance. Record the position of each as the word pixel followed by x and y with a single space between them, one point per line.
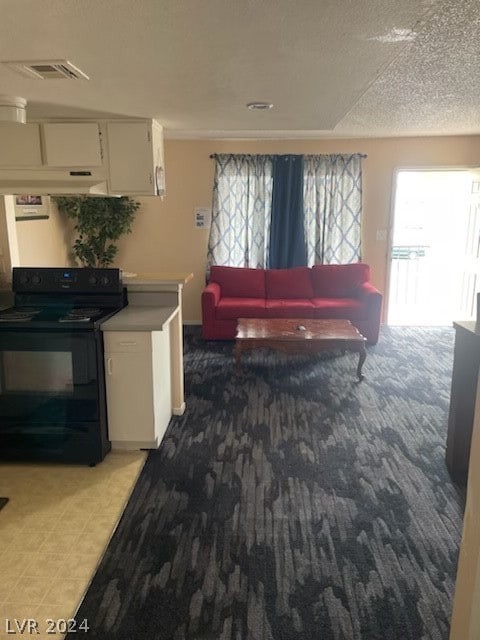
pixel 241 211
pixel 333 206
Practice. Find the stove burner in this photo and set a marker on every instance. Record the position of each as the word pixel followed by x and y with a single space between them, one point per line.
pixel 14 315
pixel 79 315
pixel 86 311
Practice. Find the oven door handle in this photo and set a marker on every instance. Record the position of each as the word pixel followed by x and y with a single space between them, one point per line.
pixel 109 366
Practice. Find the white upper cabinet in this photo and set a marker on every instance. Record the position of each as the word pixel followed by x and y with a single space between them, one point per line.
pixel 114 157
pixel 19 145
pixel 135 158
pixel 74 144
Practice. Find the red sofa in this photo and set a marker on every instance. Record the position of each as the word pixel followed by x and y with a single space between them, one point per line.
pixel 322 291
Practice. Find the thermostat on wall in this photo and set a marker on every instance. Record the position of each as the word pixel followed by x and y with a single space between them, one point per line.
pixel 203 217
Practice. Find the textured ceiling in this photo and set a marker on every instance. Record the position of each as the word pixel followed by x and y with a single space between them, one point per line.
pixel 331 67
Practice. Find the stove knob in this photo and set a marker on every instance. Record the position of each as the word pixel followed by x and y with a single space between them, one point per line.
pixel 92 280
pixel 24 279
pixel 36 279
pixel 105 280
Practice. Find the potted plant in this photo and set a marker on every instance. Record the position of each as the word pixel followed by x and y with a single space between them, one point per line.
pixel 98 223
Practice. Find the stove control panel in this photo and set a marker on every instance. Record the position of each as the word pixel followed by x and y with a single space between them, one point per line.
pixel 68 279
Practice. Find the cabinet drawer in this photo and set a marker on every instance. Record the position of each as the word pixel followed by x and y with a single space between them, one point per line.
pixel 127 342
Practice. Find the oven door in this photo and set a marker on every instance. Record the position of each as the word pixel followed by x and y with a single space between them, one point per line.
pixel 51 395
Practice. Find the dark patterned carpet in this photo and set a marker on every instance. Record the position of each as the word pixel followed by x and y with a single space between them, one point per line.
pixel 293 503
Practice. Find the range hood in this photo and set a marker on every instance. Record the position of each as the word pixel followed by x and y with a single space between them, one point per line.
pixel 52 182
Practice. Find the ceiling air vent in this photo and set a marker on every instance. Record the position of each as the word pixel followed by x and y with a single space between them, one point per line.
pixel 47 69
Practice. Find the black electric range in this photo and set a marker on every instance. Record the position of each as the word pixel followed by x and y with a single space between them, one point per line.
pixel 50 298
pixel 52 387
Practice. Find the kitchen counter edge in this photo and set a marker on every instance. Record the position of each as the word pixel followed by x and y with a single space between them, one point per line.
pixel 137 318
pixel 151 280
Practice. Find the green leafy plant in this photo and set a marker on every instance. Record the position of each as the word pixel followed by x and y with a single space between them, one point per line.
pixel 98 222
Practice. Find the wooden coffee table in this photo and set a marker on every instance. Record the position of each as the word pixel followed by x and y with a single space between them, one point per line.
pixel 299 335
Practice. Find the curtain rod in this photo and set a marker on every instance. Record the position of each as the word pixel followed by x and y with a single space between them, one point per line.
pixel 360 155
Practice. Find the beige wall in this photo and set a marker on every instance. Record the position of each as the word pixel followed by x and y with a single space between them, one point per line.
pixel 43 243
pixel 164 237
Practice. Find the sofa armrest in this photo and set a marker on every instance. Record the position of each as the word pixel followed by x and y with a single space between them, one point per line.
pixel 211 294
pixel 210 298
pixel 372 299
pixel 368 292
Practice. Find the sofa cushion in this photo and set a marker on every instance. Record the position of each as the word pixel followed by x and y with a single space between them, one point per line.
pixel 288 283
pixel 338 280
pixel 239 282
pixel 346 308
pixel 233 308
pixel 297 308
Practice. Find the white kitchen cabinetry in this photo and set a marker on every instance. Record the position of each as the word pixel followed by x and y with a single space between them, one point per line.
pixel 135 152
pixel 105 157
pixel 137 372
pixel 20 145
pixel 72 144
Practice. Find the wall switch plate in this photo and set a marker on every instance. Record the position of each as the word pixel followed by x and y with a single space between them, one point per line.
pixel 203 217
pixel 381 235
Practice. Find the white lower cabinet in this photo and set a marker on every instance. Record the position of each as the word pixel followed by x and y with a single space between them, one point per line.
pixel 137 373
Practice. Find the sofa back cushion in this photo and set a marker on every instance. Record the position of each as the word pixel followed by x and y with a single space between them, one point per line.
pixel 288 283
pixel 339 280
pixel 239 282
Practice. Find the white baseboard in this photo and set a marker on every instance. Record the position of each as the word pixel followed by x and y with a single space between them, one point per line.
pixel 179 411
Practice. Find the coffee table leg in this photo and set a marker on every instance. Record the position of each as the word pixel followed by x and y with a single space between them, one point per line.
pixel 361 360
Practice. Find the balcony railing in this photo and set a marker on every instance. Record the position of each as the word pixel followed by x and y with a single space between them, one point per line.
pixel 427 292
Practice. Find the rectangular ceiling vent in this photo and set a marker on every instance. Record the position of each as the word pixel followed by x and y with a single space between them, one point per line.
pixel 47 69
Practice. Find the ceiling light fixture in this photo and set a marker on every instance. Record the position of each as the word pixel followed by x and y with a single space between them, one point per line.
pixel 12 109
pixel 259 106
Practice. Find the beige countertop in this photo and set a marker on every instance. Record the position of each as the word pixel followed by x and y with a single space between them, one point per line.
pixel 156 278
pixel 137 318
pixel 468 325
